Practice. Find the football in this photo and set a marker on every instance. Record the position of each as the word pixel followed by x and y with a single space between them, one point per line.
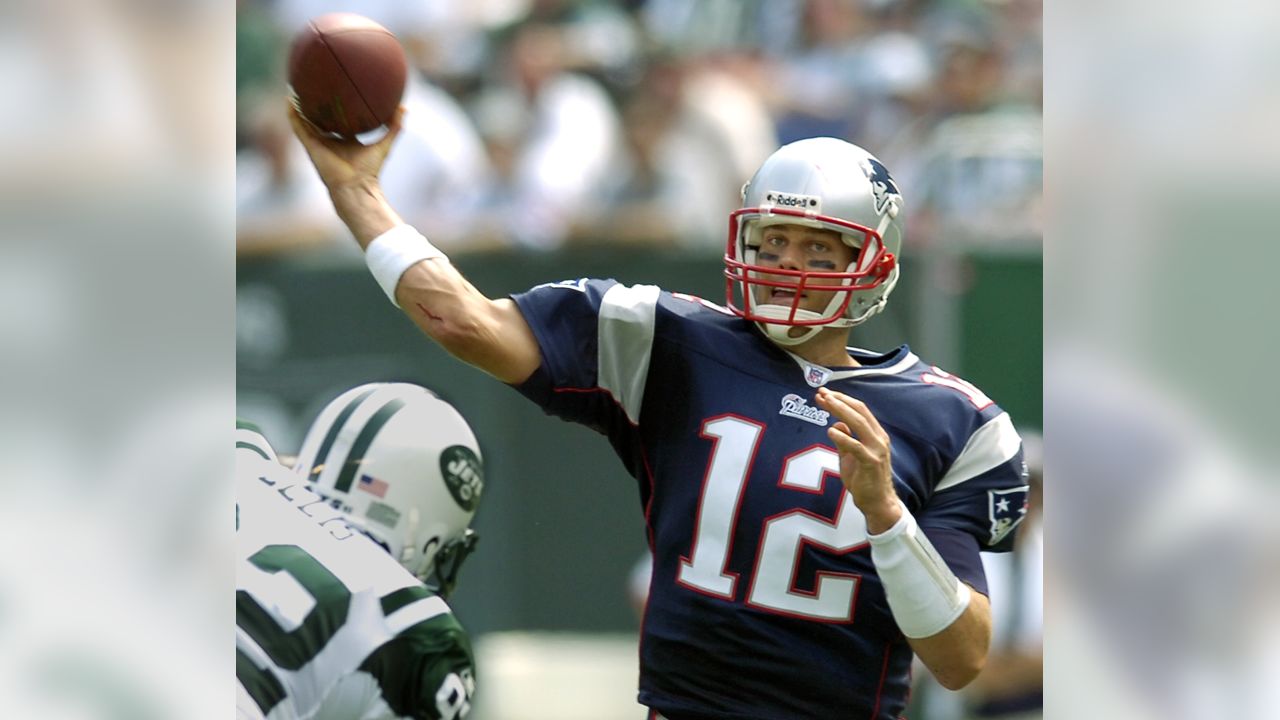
pixel 347 73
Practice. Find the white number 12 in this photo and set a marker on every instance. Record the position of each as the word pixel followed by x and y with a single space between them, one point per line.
pixel 773 584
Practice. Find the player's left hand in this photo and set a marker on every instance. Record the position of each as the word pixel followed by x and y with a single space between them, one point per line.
pixel 864 451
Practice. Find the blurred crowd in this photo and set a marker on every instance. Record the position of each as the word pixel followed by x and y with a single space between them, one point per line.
pixel 541 123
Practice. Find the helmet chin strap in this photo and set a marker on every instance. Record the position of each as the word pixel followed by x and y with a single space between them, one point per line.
pixel 781 334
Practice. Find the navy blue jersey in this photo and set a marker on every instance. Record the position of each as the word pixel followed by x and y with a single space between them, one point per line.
pixel 764 602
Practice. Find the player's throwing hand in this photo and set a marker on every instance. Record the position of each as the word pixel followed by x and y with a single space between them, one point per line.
pixel 344 163
pixel 865 465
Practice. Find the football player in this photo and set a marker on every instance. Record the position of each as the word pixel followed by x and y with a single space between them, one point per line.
pixel 815 510
pixel 333 619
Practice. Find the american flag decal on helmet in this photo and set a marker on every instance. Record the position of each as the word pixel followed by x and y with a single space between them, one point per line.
pixel 373 485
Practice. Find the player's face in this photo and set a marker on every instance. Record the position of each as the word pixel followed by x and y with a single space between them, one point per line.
pixel 796 247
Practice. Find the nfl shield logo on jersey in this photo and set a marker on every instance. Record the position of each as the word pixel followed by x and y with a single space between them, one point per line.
pixel 1007 508
pixel 816 375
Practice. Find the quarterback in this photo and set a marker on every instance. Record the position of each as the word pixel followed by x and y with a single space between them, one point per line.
pixel 815 510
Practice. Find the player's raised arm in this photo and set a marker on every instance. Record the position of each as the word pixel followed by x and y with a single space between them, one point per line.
pixel 489 334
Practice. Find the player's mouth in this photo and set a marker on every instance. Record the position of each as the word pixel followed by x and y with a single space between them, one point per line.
pixel 784 297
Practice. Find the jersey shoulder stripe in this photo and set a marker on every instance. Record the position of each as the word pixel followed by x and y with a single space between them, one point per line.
pixel 625 332
pixel 992 445
pixel 416 612
pixel 393 601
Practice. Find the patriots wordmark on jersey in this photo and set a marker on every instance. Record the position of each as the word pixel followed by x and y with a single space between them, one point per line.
pixel 764 602
pixel 328 625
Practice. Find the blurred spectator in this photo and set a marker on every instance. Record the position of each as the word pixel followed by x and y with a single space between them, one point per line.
pixel 965 80
pixel 557 136
pixel 259 62
pixel 1022 37
pixel 816 84
pixel 977 159
pixel 597 36
pixel 856 69
pixel 698 27
pixel 983 180
pixel 690 129
pixel 637 121
pixel 734 119
pixel 280 202
pixel 896 74
pixel 669 192
pixel 439 163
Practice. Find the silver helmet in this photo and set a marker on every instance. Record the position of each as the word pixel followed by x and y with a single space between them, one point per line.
pixel 827 184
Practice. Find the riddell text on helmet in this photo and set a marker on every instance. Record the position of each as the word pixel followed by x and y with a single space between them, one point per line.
pixel 811 203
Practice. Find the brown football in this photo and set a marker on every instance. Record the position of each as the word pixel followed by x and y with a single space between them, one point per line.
pixel 347 73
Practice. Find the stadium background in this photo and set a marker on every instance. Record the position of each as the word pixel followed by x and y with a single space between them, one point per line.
pixel 947 93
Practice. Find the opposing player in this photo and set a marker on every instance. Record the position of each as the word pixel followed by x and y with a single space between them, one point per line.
pixel 333 619
pixel 815 511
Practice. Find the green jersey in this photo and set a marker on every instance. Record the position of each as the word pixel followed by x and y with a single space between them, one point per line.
pixel 328 625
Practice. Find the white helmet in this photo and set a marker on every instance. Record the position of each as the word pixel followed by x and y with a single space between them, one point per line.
pixel 405 468
pixel 822 183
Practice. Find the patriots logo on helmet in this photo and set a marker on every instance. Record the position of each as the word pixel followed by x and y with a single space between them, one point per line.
pixel 882 185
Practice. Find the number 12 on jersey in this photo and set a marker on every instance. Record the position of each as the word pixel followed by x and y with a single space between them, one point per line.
pixel 784 536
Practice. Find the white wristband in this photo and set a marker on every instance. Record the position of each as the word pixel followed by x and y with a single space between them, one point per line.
pixel 923 593
pixel 395 251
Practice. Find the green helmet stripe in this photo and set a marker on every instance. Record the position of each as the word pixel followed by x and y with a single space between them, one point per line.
pixel 317 463
pixel 362 443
